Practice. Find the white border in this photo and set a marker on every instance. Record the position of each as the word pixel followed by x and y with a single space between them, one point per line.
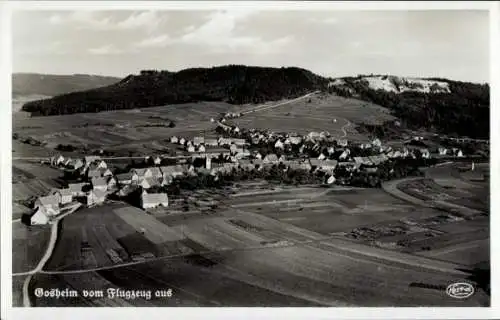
pixel 240 313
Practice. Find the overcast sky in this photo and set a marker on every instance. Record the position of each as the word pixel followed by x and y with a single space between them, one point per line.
pixel 451 44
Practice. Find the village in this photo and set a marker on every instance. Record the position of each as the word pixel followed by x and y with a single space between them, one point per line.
pixel 327 159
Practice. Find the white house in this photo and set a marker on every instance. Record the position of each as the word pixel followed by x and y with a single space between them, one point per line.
pixel 202 148
pixel 173 171
pixel 330 150
pixel 460 153
pixel 442 151
pixel 76 189
pixel 331 179
pixel 211 142
pixel 279 144
pixel 91 159
pixel 149 182
pixel 270 158
pixel 96 196
pixel 40 217
pixel 377 143
pixel 50 202
pixel 345 154
pixel 425 153
pixel 342 142
pixel 295 140
pixel 153 200
pixel 57 160
pixel 99 184
pixel 190 148
pixel 182 141
pixel 174 139
pixel 321 157
pixel 126 178
pixel 142 173
pixel 76 164
pixel 65 196
pixel 111 183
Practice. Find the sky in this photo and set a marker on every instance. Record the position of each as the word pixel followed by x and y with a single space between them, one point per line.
pixel 448 44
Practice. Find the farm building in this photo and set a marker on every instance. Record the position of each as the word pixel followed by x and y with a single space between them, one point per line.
pixel 295 140
pixel 174 139
pixel 191 148
pixel 425 153
pixel 342 142
pixel 211 142
pixel 91 159
pixel 279 145
pixel 270 158
pixel 149 182
pixel 57 160
pixel 39 217
pixel 96 196
pixel 198 141
pixel 111 183
pixel 142 173
pixel 75 164
pixel 65 195
pixel 126 178
pixel 156 159
pixel 49 203
pixel 173 171
pixel 76 189
pixel 153 200
pixel 99 184
pixel 155 172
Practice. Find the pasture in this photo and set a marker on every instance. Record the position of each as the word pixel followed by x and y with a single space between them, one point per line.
pixel 28 246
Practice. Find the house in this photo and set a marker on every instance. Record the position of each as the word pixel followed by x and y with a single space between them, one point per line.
pixel 156 160
pixel 153 200
pixel 174 139
pixel 211 143
pixel 91 159
pixel 40 217
pixel 342 142
pixel 111 183
pixel 99 183
pixel 198 140
pixel 155 172
pixel 57 160
pixel 65 195
pixel 345 154
pixel 225 141
pixel 190 148
pixel 328 165
pixel 96 196
pixel 242 153
pixel 202 148
pixel 321 157
pixel 76 164
pixel 282 158
pixel 377 143
pixel 246 165
pixel 105 172
pixel 149 182
pixel 173 171
pixel 295 140
pixel 142 173
pixel 236 129
pixel 442 151
pixel 313 135
pixel 182 141
pixel 330 150
pixel 331 179
pixel 257 155
pixel 93 173
pixel 279 145
pixel 127 178
pixel 76 189
pixel 425 153
pixel 270 158
pixel 101 164
pixel 50 203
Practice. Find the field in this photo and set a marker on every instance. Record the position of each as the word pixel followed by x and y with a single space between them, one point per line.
pixel 303 116
pixel 91 237
pixel 28 246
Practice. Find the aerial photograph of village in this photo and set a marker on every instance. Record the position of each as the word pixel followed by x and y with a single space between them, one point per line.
pixel 250 158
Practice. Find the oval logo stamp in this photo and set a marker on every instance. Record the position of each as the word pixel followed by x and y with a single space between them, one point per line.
pixel 460 290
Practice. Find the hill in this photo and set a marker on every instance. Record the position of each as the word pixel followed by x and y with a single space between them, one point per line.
pixel 234 84
pixel 30 84
pixel 445 106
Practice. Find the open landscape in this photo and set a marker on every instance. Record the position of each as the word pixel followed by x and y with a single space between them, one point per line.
pixel 247 186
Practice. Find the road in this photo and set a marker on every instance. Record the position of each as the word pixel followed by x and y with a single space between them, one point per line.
pixel 264 107
pixel 41 264
pixel 344 132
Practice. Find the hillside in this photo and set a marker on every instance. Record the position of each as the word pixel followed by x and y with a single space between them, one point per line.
pixel 446 106
pixel 233 84
pixel 30 84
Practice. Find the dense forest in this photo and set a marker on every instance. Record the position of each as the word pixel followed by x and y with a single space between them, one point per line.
pixel 234 84
pixel 24 84
pixel 463 112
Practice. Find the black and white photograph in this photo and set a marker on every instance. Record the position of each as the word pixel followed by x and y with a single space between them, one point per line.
pixel 250 156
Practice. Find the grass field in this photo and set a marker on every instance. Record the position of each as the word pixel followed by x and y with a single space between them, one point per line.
pixel 28 246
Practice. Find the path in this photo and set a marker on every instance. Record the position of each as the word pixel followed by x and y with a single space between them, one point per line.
pixel 264 107
pixel 41 264
pixel 344 132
